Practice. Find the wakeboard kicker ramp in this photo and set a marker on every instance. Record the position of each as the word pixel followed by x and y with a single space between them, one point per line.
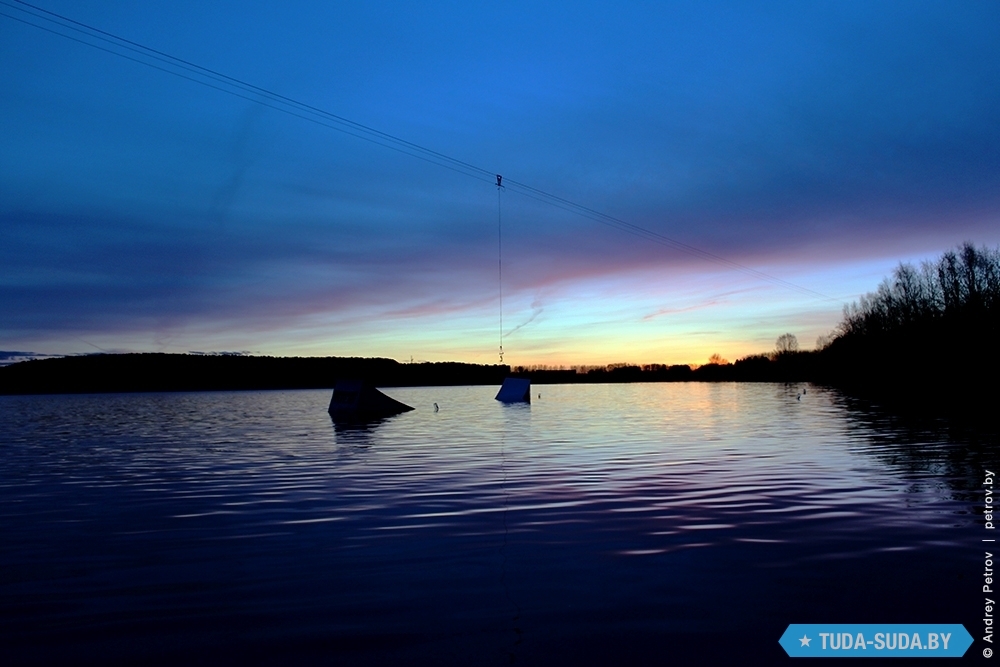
pixel 515 390
pixel 359 401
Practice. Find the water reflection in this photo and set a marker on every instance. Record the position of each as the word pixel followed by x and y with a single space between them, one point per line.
pixel 515 618
pixel 929 448
pixel 601 516
pixel 356 434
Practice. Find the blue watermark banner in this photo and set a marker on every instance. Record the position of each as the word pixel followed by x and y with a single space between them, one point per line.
pixel 876 640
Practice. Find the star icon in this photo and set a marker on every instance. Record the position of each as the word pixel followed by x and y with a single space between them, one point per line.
pixel 804 641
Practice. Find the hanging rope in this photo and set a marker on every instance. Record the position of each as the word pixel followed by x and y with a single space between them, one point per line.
pixel 500 262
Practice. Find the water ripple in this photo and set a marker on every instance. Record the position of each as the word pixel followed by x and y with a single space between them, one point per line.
pixel 128 511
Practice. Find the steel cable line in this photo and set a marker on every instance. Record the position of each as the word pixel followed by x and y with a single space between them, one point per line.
pixel 353 128
pixel 500 261
pixel 255 100
pixel 256 94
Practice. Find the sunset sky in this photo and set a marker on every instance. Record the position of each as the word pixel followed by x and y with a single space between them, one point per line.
pixel 808 148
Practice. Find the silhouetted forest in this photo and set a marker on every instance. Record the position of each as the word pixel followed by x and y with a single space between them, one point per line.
pixel 926 334
pixel 927 337
pixel 95 373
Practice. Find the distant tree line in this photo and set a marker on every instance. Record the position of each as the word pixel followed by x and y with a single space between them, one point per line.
pixel 959 295
pixel 933 330
pixel 95 373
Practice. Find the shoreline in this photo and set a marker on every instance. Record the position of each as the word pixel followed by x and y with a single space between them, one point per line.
pixel 892 386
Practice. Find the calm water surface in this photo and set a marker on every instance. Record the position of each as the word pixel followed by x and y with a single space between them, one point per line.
pixel 603 524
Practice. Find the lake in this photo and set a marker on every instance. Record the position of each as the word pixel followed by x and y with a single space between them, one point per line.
pixel 679 523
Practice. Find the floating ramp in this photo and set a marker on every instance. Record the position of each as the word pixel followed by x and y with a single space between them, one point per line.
pixel 358 401
pixel 515 390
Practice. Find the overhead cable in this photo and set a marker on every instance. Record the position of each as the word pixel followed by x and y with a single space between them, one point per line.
pixel 102 40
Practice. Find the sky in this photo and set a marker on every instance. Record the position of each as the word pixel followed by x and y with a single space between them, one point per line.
pixel 798 152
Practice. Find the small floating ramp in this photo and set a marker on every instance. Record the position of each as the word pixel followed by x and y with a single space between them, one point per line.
pixel 357 401
pixel 515 390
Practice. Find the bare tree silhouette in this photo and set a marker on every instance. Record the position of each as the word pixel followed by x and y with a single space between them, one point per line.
pixel 786 343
